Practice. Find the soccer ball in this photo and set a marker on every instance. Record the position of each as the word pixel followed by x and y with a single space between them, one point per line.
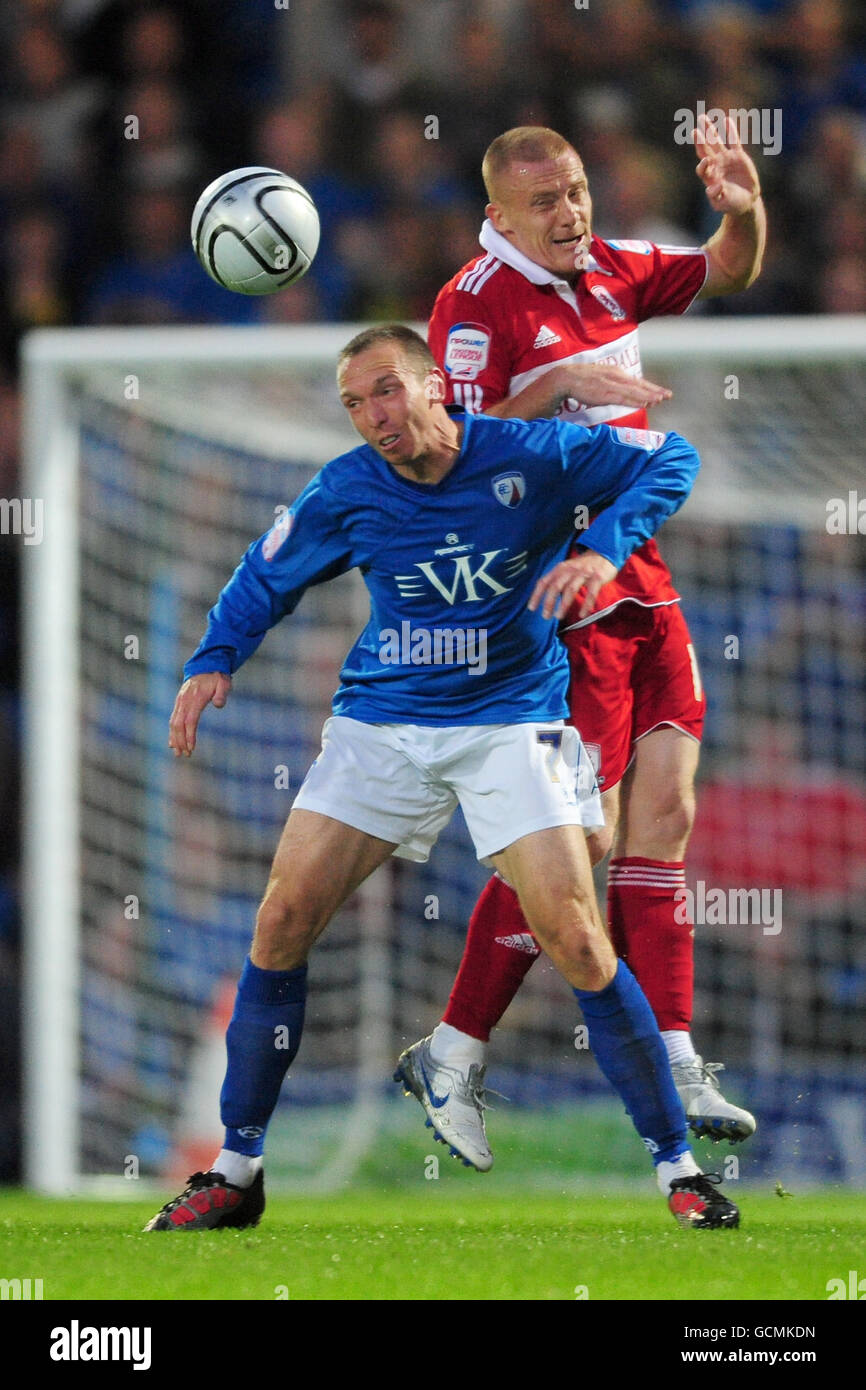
pixel 255 230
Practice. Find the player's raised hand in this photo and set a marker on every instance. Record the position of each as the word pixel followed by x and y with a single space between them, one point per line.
pixel 561 585
pixel 595 384
pixel 726 171
pixel 211 687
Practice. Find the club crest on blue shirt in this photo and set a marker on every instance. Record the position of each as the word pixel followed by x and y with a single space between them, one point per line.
pixel 509 488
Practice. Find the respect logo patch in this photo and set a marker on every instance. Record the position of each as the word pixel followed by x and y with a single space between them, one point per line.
pixel 467 350
pixel 641 439
pixel 643 248
pixel 277 534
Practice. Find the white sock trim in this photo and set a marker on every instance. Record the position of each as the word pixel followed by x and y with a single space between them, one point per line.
pixel 682 1167
pixel 238 1169
pixel 679 1045
pixel 450 1047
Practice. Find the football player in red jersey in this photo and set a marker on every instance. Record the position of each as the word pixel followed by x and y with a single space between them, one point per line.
pixel 545 322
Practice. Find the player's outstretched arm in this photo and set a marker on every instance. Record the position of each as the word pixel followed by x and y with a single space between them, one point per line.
pixel 639 479
pixel 196 693
pixel 732 186
pixel 589 384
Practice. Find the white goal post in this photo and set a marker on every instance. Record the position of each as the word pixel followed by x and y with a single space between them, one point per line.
pixel 191 386
pixel 52 361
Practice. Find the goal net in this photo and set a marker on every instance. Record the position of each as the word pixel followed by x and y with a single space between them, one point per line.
pixel 159 456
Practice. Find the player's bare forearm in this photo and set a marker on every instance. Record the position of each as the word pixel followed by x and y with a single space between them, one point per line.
pixel 587 384
pixel 539 400
pixel 560 586
pixel 736 251
pixel 196 693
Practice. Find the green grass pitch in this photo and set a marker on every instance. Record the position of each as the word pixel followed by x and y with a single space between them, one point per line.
pixel 439 1242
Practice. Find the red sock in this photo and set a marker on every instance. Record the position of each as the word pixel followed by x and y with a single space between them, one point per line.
pixel 499 950
pixel 646 931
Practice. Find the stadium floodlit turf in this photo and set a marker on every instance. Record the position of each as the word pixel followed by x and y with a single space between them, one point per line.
pixel 438 1244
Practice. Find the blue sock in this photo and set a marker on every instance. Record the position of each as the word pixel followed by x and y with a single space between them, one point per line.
pixel 626 1043
pixel 261 1042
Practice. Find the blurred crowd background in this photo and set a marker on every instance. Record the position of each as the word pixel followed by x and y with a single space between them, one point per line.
pixel 114 116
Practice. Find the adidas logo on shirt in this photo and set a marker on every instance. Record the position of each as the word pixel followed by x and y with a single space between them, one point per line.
pixel 546 337
pixel 521 941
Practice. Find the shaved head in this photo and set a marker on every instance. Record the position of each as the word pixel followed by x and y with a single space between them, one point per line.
pixel 524 144
pixel 539 198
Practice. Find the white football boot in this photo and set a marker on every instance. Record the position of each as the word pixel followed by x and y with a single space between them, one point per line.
pixel 453 1100
pixel 709 1115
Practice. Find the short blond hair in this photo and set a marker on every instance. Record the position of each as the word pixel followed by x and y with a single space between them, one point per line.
pixel 527 144
pixel 414 348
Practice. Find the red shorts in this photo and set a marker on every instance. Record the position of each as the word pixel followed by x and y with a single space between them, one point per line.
pixel 631 672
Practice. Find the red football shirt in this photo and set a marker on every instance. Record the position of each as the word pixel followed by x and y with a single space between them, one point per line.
pixel 503 321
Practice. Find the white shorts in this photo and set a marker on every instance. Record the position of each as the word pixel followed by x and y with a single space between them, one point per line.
pixel 402 782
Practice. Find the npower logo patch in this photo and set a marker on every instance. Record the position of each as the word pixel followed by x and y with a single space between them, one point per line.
pixel 467 350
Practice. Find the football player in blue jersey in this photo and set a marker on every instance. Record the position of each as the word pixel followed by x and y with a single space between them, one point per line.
pixel 453 693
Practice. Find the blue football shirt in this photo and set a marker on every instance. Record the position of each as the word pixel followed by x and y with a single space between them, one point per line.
pixel 450 566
